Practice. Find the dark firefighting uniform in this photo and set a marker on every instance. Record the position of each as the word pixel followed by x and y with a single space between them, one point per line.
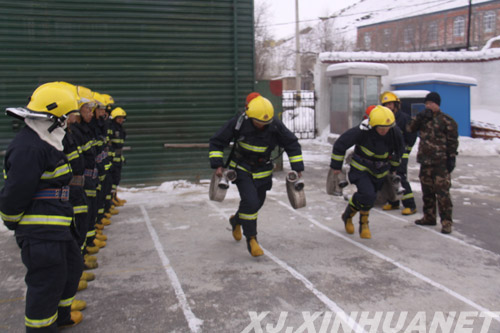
pixel 117 137
pixel 90 173
pixel 100 127
pixel 374 157
pixel 409 138
pixel 73 142
pixel 34 202
pixel 251 160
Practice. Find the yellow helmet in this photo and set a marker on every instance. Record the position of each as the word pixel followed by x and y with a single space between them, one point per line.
pixel 109 101
pixel 100 99
pixel 381 116
pixel 260 109
pixel 54 98
pixel 118 112
pixel 85 96
pixel 387 97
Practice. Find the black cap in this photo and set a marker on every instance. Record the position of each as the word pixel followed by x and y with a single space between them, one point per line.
pixel 433 97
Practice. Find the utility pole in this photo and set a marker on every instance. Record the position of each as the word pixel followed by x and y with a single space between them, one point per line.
pixel 297 52
pixel 469 24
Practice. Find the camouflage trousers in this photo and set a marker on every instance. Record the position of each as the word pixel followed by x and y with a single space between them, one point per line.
pixel 436 183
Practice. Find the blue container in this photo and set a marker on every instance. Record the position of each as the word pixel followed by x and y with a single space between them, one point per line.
pixel 453 89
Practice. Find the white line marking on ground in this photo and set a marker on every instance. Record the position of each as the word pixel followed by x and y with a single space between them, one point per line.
pixel 308 284
pixel 194 323
pixel 437 233
pixel 422 277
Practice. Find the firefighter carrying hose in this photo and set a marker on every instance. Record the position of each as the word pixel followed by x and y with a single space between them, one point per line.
pixel 35 203
pixel 378 149
pixel 256 133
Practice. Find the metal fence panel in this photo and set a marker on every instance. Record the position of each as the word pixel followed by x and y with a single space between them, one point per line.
pixel 299 113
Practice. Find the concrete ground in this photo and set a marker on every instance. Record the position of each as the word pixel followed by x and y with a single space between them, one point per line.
pixel 171 264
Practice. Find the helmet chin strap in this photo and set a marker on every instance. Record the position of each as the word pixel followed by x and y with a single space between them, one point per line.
pixel 58 122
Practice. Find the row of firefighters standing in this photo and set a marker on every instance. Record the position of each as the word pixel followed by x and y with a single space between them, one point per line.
pixel 382 145
pixel 61 173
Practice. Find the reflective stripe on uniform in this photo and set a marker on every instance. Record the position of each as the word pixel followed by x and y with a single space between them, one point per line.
pixel 71 156
pixel 215 154
pixel 369 153
pixel 39 323
pixel 117 141
pixel 394 163
pixel 91 193
pixel 255 175
pixel 62 170
pixel 100 211
pixel 90 233
pixel 11 218
pixel 363 168
pixel 80 209
pixel 4 174
pixel 405 155
pixel 248 217
pixel 64 221
pixel 407 196
pixel 257 149
pixel 295 159
pixel 336 157
pixel 66 302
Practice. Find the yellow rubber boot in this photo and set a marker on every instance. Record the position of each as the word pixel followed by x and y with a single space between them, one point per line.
pixel 107 215
pixel 87 276
pixel 92 249
pixel 105 221
pixel 347 218
pixel 89 258
pixel 364 230
pixel 101 237
pixel 76 318
pixel 254 247
pixel 99 244
pixel 236 228
pixel 408 211
pixel 389 206
pixel 99 226
pixel 78 305
pixel 113 210
pixel 90 264
pixel 82 285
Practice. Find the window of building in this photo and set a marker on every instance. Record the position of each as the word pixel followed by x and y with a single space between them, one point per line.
pixel 459 26
pixel 368 41
pixel 432 32
pixel 489 21
pixel 408 35
pixel 387 37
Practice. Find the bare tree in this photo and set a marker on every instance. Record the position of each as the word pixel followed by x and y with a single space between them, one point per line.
pixel 263 41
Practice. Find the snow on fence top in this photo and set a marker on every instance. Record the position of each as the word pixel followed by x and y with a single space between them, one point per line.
pixel 428 77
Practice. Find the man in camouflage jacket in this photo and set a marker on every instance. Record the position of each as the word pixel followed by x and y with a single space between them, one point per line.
pixel 436 154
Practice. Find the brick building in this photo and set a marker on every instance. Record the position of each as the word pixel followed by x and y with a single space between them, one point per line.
pixel 441 30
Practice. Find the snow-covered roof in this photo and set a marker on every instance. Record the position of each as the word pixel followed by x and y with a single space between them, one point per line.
pixel 367 12
pixel 411 93
pixel 357 68
pixel 464 56
pixel 432 77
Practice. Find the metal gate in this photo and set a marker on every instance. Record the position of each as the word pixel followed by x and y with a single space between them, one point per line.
pixel 299 114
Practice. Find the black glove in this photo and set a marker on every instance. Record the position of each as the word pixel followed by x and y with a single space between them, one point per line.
pixel 424 115
pixel 450 164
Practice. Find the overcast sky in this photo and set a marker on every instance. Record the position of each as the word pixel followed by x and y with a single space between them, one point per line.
pixel 281 14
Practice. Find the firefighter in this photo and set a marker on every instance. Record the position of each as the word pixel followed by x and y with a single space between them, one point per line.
pixel 35 203
pixel 100 126
pixel 392 102
pixel 378 149
pixel 88 151
pixel 256 133
pixel 118 135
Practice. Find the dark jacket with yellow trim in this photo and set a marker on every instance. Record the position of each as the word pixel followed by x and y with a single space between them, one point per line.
pixel 89 154
pixel 253 147
pixel 31 165
pixel 373 153
pixel 117 138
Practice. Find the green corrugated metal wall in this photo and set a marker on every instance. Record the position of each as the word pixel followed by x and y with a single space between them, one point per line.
pixel 179 69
